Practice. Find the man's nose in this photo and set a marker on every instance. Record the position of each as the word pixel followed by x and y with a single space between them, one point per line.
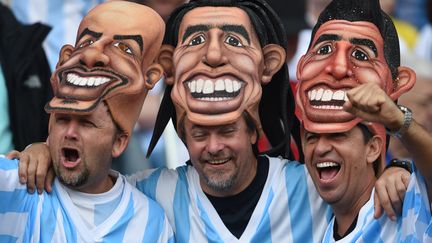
pixel 94 55
pixel 215 145
pixel 323 146
pixel 71 131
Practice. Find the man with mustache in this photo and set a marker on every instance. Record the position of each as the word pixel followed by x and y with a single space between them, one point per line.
pixel 99 87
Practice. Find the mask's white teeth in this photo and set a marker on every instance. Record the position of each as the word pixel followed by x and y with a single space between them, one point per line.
pixel 199 85
pixel 219 85
pixel 208 87
pixel 319 94
pixel 326 165
pixel 327 95
pixel 229 86
pixel 338 95
pixel 83 81
pixel 192 86
pixel 236 86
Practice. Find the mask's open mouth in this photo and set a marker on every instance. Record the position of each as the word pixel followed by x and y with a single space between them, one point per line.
pixel 328 170
pixel 214 90
pixel 320 98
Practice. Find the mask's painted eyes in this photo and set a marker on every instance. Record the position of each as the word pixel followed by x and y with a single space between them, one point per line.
pixel 359 55
pixel 233 41
pixel 324 50
pixel 123 47
pixel 86 43
pixel 198 40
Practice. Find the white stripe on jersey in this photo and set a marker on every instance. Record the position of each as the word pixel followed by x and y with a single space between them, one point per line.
pixel 283 213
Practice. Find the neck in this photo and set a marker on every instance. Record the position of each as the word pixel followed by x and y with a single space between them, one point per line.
pixel 346 211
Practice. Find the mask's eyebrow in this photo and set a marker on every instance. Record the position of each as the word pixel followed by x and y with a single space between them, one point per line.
pixel 239 29
pixel 87 31
pixel 365 42
pixel 136 38
pixel 190 30
pixel 327 37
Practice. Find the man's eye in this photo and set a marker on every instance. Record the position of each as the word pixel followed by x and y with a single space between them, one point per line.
pixel 123 47
pixel 359 55
pixel 86 43
pixel 231 40
pixel 324 50
pixel 197 40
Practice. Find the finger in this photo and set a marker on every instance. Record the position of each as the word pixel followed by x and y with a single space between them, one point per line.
pixel 394 203
pixel 22 169
pixel 406 179
pixel 31 176
pixel 14 154
pixel 401 189
pixel 41 172
pixel 377 207
pixel 49 180
pixel 385 201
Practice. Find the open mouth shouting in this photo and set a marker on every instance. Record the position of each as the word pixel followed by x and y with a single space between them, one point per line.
pixel 70 157
pixel 327 171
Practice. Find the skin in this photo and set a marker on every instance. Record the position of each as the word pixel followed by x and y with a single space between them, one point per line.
pixel 350 186
pixel 342 56
pixel 219 46
pixel 225 165
pixel 112 56
pixel 86 171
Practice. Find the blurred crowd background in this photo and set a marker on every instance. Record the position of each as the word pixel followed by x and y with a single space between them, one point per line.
pixel 32 33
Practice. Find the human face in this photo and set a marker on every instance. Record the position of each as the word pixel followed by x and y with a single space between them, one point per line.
pixel 341 165
pixel 222 156
pixel 82 148
pixel 218 66
pixel 342 56
pixel 109 57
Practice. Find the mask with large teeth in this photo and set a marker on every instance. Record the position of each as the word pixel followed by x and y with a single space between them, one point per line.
pixel 214 90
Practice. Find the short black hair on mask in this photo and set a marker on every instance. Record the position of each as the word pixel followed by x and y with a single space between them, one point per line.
pixel 370 11
pixel 277 106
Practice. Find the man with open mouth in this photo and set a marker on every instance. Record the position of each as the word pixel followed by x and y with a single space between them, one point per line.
pixel 99 86
pixel 349 81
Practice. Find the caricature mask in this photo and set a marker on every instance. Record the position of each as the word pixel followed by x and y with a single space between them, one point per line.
pixel 219 66
pixel 116 43
pixel 354 42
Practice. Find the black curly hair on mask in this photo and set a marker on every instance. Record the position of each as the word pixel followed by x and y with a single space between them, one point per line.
pixel 370 11
pixel 276 108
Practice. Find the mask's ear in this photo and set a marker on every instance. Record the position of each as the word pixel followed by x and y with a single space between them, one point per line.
pixel 404 82
pixel 274 58
pixel 153 74
pixel 300 68
pixel 165 58
pixel 65 54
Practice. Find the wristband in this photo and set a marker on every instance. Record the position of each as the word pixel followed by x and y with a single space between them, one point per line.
pixel 405 164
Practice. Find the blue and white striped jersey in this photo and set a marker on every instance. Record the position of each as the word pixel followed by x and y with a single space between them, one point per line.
pixel 54 218
pixel 289 209
pixel 415 225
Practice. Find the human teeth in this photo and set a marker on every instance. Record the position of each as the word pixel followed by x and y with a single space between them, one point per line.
pixel 219 85
pixel 326 165
pixel 327 95
pixel 229 86
pixel 338 95
pixel 192 86
pixel 319 94
pixel 199 85
pixel 208 87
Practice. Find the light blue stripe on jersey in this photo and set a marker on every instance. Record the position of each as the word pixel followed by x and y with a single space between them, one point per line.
pixel 302 232
pixel 211 233
pixel 7 239
pixel 152 230
pixel 264 226
pixel 182 202
pixel 148 185
pixel 6 164
pixel 116 232
pixel 103 211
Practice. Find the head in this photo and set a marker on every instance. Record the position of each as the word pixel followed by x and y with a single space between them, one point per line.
pixel 111 61
pixel 82 147
pixel 223 155
pixel 217 66
pixel 163 7
pixel 353 42
pixel 340 173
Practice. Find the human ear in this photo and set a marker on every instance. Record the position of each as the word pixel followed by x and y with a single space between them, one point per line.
pixel 65 54
pixel 152 75
pixel 120 144
pixel 165 59
pixel 404 82
pixel 274 58
pixel 375 145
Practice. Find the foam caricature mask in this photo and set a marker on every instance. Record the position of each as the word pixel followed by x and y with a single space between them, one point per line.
pixel 354 42
pixel 111 61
